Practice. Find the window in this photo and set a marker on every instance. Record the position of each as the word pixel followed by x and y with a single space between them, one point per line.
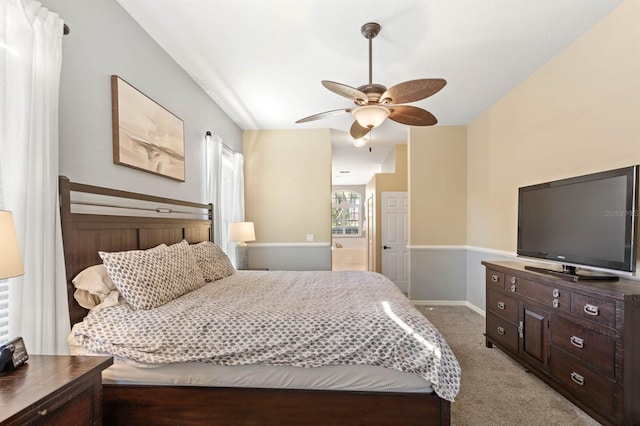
pixel 346 213
pixel 226 196
pixel 4 311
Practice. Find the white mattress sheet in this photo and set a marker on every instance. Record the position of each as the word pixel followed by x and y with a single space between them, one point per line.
pixel 339 377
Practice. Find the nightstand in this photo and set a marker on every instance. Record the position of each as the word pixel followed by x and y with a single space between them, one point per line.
pixel 56 390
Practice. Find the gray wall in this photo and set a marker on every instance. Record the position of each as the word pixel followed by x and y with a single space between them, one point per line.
pixel 290 257
pixel 441 274
pixel 438 274
pixel 105 40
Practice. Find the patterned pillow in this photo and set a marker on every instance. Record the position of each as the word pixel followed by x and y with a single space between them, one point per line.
pixel 213 262
pixel 94 285
pixel 150 278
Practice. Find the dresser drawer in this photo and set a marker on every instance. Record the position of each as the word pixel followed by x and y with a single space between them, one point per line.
pixel 597 310
pixel 81 409
pixel 590 346
pixel 501 305
pixel 548 296
pixel 587 385
pixel 502 332
pixel 494 279
pixel 74 402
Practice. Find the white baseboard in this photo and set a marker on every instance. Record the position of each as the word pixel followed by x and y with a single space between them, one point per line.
pixel 450 303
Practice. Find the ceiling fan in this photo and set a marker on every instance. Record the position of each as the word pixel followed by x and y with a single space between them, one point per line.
pixel 375 103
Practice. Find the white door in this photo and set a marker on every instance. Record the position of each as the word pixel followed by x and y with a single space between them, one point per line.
pixel 371 246
pixel 395 237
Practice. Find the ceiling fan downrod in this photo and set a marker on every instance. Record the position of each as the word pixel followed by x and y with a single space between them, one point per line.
pixel 370 30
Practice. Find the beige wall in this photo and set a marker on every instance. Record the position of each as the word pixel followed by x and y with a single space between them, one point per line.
pixel 580 113
pixel 386 182
pixel 437 185
pixel 288 184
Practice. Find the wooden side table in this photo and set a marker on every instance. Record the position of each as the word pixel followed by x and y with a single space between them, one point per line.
pixel 56 390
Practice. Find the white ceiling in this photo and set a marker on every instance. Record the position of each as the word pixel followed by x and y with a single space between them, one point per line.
pixel 262 60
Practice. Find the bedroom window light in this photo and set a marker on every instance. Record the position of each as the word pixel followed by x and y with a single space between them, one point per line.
pixel 4 311
pixel 346 213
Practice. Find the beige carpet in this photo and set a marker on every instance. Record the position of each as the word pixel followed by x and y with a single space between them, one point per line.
pixel 496 390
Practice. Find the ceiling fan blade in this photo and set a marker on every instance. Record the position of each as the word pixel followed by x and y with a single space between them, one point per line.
pixel 412 116
pixel 322 115
pixel 358 96
pixel 413 90
pixel 357 131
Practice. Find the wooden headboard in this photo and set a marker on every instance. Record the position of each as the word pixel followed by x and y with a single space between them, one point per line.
pixel 113 225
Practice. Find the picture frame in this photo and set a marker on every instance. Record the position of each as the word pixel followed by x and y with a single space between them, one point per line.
pixel 146 136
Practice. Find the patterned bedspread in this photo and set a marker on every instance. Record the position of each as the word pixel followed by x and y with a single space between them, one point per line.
pixel 303 319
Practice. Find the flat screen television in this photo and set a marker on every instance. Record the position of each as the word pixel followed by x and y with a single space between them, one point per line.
pixel 586 220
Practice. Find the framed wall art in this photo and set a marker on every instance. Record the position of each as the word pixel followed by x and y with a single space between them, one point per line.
pixel 145 135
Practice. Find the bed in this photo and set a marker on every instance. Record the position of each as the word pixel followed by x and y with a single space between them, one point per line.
pixel 86 233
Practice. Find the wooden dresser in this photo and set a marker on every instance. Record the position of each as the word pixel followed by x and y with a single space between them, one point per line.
pixel 54 390
pixel 581 338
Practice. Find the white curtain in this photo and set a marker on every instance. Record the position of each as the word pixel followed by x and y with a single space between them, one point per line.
pixel 214 175
pixel 236 207
pixel 237 203
pixel 30 63
pixel 225 189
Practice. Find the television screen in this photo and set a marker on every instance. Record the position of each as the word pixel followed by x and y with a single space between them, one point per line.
pixel 587 220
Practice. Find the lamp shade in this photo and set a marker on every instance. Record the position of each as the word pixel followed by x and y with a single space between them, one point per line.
pixel 370 116
pixel 242 231
pixel 359 143
pixel 10 259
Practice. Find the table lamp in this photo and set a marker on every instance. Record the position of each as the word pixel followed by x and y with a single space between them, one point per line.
pixel 13 354
pixel 10 259
pixel 241 232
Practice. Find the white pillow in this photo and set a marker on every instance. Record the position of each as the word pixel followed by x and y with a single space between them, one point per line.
pixel 93 285
pixel 151 278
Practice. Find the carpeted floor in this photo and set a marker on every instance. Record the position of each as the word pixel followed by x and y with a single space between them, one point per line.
pixel 496 390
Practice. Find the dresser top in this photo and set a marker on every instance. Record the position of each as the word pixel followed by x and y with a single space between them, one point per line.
pixel 43 375
pixel 616 289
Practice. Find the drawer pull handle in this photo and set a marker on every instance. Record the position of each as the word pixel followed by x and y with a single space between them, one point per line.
pixel 513 288
pixel 577 342
pixel 501 331
pixel 577 378
pixel 43 412
pixel 514 280
pixel 556 292
pixel 495 278
pixel 591 310
pixel 501 305
pixel 520 329
pixel 556 303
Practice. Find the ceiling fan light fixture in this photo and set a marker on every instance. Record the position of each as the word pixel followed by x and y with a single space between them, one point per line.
pixel 374 102
pixel 359 143
pixel 370 116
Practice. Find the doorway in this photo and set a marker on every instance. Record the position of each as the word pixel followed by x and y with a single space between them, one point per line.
pixel 348 244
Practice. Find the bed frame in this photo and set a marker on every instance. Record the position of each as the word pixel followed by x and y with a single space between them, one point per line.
pixel 84 234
